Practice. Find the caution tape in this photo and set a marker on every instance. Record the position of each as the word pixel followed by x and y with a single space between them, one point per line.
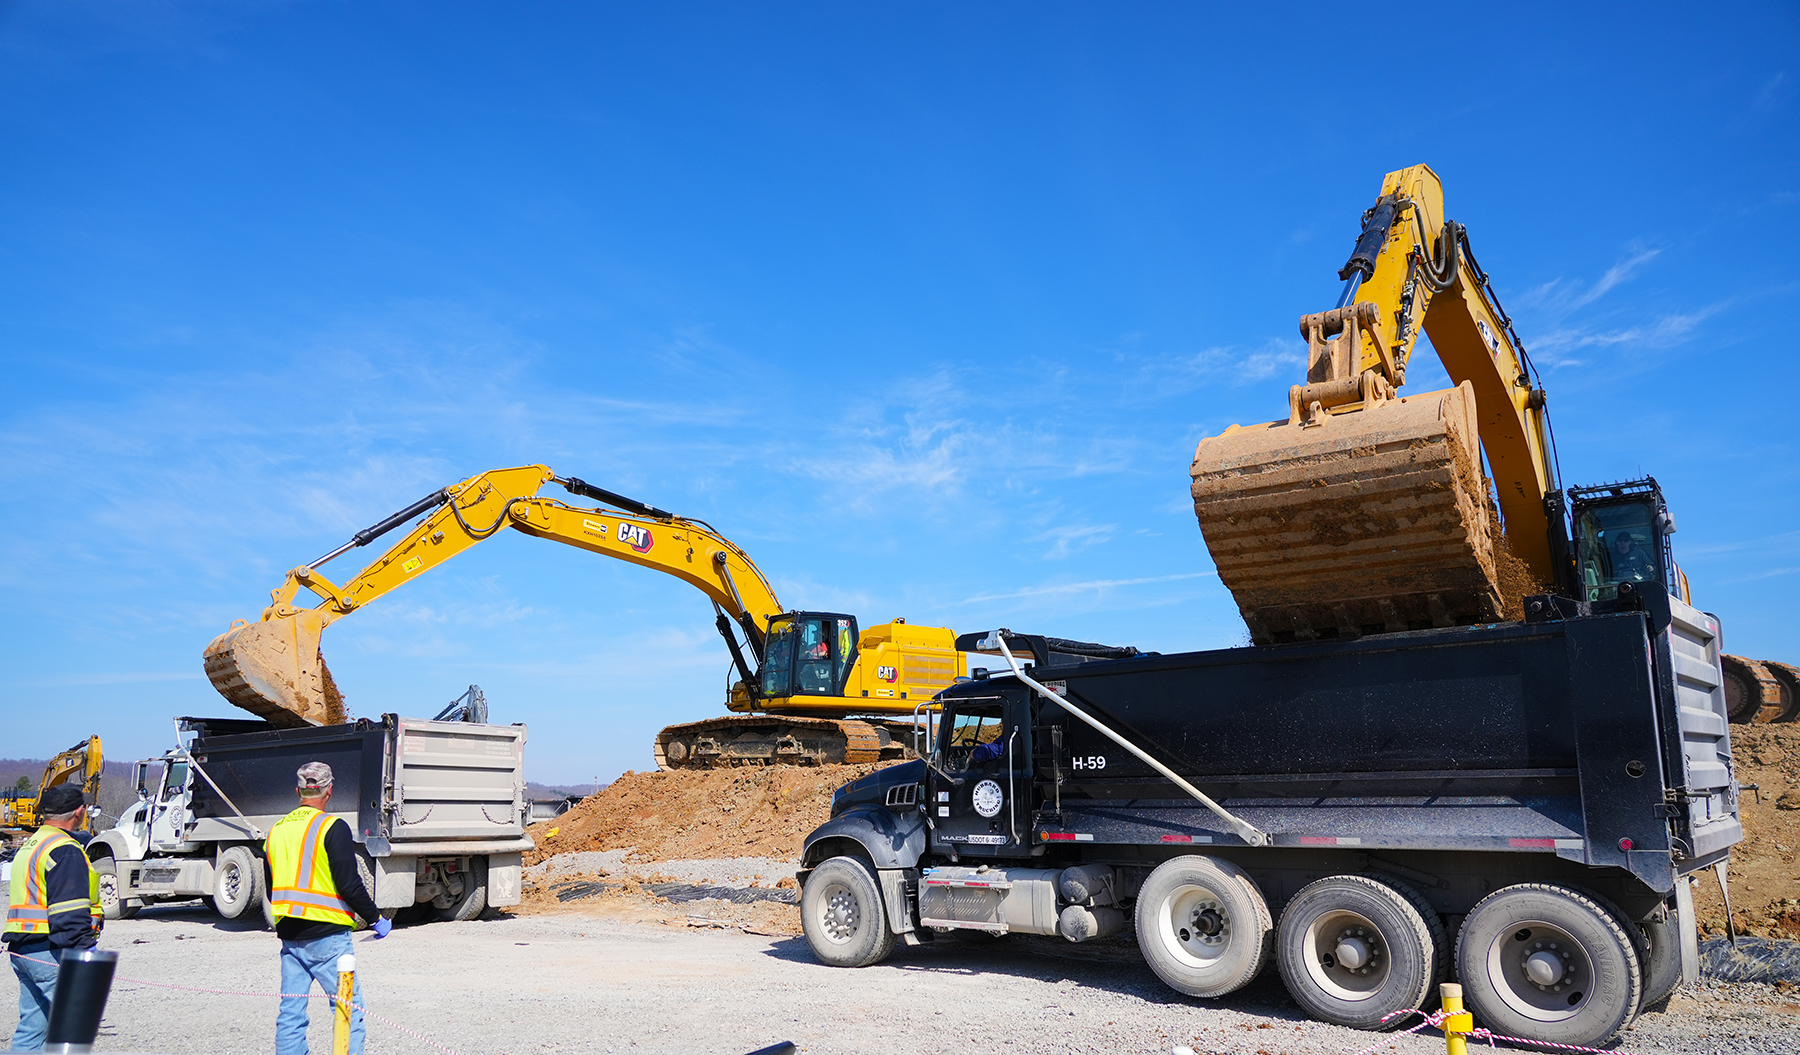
pixel 1435 1020
pixel 415 1034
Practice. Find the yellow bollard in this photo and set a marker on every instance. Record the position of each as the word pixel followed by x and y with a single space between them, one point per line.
pixel 340 1032
pixel 1456 1021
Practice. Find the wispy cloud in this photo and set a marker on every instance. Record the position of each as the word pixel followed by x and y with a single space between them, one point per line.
pixel 1772 93
pixel 1659 333
pixel 1561 297
pixel 1091 586
pixel 123 678
pixel 1066 538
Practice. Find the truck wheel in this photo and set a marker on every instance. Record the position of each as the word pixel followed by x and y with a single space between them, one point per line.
pixel 467 905
pixel 238 882
pixel 1203 926
pixel 840 910
pixel 1548 963
pixel 1354 949
pixel 112 906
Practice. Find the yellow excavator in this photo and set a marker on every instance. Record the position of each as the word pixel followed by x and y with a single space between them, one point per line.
pixel 19 814
pixel 812 684
pixel 1366 511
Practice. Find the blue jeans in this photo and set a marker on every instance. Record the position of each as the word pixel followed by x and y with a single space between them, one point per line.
pixel 37 985
pixel 303 962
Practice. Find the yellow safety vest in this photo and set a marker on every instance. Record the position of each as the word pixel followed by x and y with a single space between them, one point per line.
pixel 27 911
pixel 304 888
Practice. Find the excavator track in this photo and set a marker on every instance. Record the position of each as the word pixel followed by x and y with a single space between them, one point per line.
pixel 771 739
pixel 1377 520
pixel 1756 693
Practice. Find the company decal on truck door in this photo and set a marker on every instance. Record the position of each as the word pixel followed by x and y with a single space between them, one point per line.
pixel 988 798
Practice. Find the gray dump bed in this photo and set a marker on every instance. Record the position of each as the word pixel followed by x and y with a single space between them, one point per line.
pixel 407 786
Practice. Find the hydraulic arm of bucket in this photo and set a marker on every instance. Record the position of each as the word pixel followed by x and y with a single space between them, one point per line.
pixel 1364 511
pixel 273 668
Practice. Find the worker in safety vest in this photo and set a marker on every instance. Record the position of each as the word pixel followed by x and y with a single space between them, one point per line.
pixel 54 907
pixel 313 890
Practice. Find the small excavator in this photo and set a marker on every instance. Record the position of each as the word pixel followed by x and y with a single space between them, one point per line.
pixel 813 687
pixel 19 814
pixel 1365 511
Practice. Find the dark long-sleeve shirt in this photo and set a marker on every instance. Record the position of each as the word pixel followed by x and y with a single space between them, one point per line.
pixel 340 853
pixel 66 880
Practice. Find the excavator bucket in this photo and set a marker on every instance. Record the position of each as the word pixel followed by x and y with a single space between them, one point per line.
pixel 273 669
pixel 1375 519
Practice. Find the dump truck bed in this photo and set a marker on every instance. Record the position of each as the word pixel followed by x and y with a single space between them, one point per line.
pixel 1576 737
pixel 403 783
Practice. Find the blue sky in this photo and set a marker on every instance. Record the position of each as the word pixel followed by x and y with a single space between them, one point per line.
pixel 924 305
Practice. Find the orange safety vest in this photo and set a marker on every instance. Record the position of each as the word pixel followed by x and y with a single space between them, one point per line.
pixel 304 888
pixel 27 911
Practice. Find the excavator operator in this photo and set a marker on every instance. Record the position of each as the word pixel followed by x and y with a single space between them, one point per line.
pixel 1630 562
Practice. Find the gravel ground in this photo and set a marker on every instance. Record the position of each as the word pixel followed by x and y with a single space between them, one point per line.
pixel 717 871
pixel 576 982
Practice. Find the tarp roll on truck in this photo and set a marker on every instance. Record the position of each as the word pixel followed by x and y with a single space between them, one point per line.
pixel 438 810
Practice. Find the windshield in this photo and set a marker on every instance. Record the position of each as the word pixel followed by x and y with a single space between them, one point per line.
pixel 969 732
pixel 176 779
pixel 808 655
pixel 1617 545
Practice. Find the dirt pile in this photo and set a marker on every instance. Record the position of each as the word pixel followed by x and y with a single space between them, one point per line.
pixel 1765 885
pixel 668 816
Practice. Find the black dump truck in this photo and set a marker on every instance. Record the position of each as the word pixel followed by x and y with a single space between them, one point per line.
pixel 1520 806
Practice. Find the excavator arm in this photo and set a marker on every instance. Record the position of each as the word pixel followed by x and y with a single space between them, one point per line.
pixel 1412 267
pixel 1366 511
pixel 273 667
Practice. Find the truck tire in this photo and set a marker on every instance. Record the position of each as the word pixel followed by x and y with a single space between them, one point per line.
pixel 841 913
pixel 112 906
pixel 1549 963
pixel 1202 925
pixel 462 907
pixel 238 885
pixel 1354 949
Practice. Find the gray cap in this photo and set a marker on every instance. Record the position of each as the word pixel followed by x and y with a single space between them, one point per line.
pixel 314 776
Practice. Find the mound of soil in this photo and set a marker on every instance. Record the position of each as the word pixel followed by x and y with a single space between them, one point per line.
pixel 1765 885
pixel 670 816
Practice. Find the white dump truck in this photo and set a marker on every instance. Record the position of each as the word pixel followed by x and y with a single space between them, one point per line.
pixel 438 810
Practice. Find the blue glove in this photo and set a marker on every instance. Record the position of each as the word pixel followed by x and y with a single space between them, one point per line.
pixel 383 926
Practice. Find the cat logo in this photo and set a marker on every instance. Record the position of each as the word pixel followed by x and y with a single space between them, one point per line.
pixel 636 536
pixel 1488 338
pixel 888 673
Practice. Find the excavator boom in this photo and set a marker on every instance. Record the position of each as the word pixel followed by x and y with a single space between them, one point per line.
pixel 1365 511
pixel 273 668
pixel 823 669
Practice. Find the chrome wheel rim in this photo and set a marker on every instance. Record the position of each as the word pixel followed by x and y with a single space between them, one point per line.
pixel 1346 955
pixel 839 916
pixel 1195 927
pixel 1541 971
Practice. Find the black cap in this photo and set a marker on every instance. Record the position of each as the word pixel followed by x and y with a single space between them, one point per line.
pixel 62 798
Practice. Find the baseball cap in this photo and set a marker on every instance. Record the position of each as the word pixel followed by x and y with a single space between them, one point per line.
pixel 60 799
pixel 314 776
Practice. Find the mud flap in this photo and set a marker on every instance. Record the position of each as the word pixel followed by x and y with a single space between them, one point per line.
pixel 1690 937
pixel 893 895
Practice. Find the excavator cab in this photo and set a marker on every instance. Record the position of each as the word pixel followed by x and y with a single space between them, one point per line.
pixel 808 654
pixel 1622 536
